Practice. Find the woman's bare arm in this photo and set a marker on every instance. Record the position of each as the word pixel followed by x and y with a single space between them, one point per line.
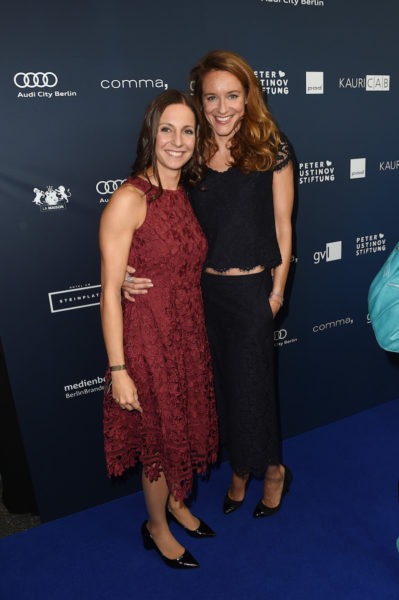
pixel 124 213
pixel 283 201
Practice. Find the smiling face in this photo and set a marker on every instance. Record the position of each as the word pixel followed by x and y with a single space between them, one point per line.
pixel 223 100
pixel 175 141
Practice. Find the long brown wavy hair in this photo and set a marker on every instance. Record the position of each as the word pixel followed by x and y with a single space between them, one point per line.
pixel 192 171
pixel 254 147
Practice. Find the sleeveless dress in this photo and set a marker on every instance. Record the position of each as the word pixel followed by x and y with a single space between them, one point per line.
pixel 235 211
pixel 166 352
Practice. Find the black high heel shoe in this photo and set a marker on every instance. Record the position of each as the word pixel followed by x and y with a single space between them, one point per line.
pixel 261 510
pixel 230 505
pixel 185 561
pixel 202 531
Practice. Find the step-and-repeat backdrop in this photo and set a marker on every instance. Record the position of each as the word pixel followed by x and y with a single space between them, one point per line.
pixel 76 78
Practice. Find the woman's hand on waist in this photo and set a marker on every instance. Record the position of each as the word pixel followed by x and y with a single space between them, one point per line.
pixel 134 285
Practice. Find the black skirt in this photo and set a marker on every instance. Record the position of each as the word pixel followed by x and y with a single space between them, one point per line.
pixel 240 327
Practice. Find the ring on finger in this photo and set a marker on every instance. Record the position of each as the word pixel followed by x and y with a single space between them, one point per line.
pixel 129 279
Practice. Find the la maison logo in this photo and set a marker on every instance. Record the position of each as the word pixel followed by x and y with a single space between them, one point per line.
pixel 367 83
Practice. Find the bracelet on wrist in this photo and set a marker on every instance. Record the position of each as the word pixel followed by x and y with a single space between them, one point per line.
pixel 277 298
pixel 118 368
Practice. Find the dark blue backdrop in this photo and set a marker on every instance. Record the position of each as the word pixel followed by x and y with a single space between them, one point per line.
pixel 76 81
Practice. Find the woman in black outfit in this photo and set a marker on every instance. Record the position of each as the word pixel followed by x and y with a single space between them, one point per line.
pixel 244 205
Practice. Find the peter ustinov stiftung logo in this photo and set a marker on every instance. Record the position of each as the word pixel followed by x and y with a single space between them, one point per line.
pixel 368 83
pixel 357 168
pixel 318 171
pixel 39 85
pixel 105 189
pixel 74 297
pixel 333 251
pixel 273 82
pixel 134 84
pixel 370 243
pixel 315 82
pixel 51 198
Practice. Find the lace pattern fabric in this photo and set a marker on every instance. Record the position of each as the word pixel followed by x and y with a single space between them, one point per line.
pixel 235 211
pixel 166 354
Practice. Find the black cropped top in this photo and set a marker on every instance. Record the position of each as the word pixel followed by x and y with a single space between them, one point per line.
pixel 235 211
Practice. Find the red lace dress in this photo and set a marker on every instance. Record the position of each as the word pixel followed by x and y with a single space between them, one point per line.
pixel 166 353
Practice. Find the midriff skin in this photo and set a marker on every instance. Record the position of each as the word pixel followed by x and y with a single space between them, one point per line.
pixel 235 271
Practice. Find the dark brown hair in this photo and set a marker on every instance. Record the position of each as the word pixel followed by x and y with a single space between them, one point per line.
pixel 254 146
pixel 192 171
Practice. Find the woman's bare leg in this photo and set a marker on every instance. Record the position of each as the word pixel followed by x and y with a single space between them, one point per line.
pixel 273 485
pixel 182 513
pixel 237 487
pixel 156 495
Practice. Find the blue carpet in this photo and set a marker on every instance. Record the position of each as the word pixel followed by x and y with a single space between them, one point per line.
pixel 335 537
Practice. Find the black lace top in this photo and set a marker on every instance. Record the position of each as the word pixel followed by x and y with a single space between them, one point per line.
pixel 235 211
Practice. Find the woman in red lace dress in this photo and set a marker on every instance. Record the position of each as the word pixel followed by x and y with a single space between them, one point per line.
pixel 159 402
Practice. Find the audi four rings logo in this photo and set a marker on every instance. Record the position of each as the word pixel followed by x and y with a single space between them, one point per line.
pixel 280 334
pixel 32 80
pixel 107 187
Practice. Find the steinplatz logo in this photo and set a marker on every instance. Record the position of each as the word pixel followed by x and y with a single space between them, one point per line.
pixel 368 83
pixel 370 244
pixel 357 168
pixel 106 188
pixel 273 82
pixel 39 85
pixel 332 252
pixel 315 82
pixel 75 297
pixel 35 80
pixel 319 171
pixel 51 199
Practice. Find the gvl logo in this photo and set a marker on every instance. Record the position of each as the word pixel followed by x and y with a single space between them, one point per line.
pixel 332 252
pixel 358 168
pixel 314 82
